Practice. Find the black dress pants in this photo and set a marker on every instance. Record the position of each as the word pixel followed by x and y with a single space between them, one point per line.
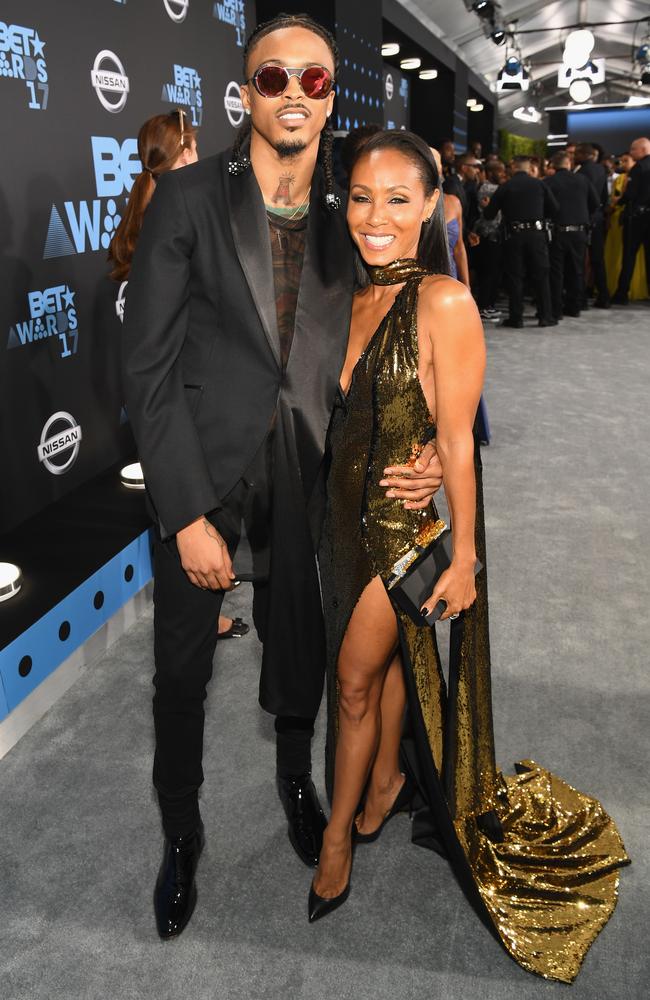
pixel 185 636
pixel 597 260
pixel 489 272
pixel 527 253
pixel 567 257
pixel 636 233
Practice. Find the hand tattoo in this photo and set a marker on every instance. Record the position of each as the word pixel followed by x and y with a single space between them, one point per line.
pixel 283 195
pixel 213 533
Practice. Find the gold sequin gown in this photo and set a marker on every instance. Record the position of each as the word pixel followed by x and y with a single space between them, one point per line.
pixel 538 859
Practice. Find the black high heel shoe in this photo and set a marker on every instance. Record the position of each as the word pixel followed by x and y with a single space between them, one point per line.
pixel 318 906
pixel 404 798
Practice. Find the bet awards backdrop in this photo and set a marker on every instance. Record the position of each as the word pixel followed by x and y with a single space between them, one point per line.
pixel 77 79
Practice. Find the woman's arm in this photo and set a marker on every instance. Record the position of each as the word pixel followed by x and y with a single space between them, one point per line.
pixel 460 250
pixel 458 357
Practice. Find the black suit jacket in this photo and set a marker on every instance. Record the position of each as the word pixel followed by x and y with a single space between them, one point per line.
pixel 201 356
pixel 576 197
pixel 596 173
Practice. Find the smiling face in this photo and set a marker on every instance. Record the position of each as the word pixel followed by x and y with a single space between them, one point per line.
pixel 292 122
pixel 388 204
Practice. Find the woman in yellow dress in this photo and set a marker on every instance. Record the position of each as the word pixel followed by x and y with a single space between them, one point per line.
pixel 614 241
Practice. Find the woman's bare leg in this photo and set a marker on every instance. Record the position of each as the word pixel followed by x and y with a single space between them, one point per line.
pixel 386 778
pixel 366 652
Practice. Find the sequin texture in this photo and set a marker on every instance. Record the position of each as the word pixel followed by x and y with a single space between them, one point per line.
pixel 543 857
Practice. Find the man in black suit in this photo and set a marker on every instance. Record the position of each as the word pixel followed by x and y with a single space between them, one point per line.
pixel 636 219
pixel 525 203
pixel 586 158
pixel 577 203
pixel 234 337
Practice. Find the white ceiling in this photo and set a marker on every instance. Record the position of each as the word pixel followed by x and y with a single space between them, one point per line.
pixel 462 31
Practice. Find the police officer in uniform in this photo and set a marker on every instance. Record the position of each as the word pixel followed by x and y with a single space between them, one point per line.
pixel 636 220
pixel 586 156
pixel 525 203
pixel 578 202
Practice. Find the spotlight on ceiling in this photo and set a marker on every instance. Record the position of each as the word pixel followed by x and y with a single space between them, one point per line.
pixel 428 74
pixel 477 107
pixel 390 49
pixel 484 8
pixel 580 91
pixel 10 580
pixel 513 76
pixel 645 74
pixel 498 36
pixel 411 63
pixel 471 101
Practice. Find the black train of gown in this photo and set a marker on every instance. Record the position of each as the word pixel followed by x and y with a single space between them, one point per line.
pixel 538 858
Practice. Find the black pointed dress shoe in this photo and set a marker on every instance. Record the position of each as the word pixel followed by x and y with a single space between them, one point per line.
pixel 175 893
pixel 305 816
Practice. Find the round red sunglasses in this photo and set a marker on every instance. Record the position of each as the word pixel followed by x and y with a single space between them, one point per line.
pixel 272 81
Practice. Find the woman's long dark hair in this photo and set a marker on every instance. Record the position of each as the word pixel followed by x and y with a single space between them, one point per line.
pixel 433 248
pixel 161 140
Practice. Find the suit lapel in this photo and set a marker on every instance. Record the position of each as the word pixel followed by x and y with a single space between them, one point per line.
pixel 250 229
pixel 325 296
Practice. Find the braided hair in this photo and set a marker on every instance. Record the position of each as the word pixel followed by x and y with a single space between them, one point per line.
pixel 240 157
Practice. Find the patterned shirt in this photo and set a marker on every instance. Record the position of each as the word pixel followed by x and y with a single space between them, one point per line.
pixel 287 253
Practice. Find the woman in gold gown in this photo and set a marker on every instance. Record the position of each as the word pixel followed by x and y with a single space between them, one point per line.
pixel 614 240
pixel 537 858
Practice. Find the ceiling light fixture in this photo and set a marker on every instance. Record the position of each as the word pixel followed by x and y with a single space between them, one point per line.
pixel 477 107
pixel 471 101
pixel 390 49
pixel 580 91
pixel 577 48
pixel 414 63
pixel 529 114
pixel 428 74
pixel 498 36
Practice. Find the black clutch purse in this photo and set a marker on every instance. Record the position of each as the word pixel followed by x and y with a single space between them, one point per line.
pixel 414 576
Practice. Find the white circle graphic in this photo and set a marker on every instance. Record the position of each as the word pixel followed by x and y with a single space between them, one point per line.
pixel 390 86
pixel 233 104
pixel 177 9
pixel 66 439
pixel 109 79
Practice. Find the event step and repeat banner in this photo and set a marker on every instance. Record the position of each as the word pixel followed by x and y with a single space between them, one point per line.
pixel 77 79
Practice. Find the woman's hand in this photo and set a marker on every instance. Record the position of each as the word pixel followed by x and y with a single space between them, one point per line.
pixel 456 586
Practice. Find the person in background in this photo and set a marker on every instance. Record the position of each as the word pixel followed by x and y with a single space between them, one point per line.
pixel 448 156
pixel 577 201
pixel 467 167
pixel 165 142
pixel 571 150
pixel 476 149
pixel 491 247
pixel 453 209
pixel 525 204
pixel 635 201
pixel 586 156
pixel 535 166
pixel 614 240
pixel 610 165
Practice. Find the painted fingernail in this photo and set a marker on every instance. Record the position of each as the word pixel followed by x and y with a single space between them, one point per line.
pixel 390 493
pixel 384 482
pixel 425 612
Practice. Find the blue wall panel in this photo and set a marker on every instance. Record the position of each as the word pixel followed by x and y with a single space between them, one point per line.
pixel 42 648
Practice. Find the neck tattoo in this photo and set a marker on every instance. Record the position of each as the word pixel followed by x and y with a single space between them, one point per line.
pixel 283 194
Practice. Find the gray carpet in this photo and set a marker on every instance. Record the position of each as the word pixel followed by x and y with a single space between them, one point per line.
pixel 567 486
